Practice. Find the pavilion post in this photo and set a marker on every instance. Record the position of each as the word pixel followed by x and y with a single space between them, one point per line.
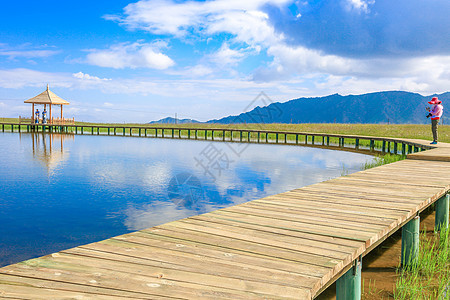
pixel 61 112
pixel 50 114
pixel 32 113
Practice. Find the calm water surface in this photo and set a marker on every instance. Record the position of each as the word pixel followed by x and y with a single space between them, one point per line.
pixel 61 191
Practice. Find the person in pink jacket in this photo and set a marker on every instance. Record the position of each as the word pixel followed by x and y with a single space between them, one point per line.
pixel 435 113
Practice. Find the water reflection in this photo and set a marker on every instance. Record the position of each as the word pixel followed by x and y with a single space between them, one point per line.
pixel 49 148
pixel 102 186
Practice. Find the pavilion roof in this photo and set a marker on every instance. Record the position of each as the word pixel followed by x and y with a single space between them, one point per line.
pixel 47 97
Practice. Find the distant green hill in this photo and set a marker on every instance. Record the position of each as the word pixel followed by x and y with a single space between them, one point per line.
pixel 394 107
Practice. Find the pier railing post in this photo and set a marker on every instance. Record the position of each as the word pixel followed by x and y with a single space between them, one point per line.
pixel 348 286
pixel 410 242
pixel 442 213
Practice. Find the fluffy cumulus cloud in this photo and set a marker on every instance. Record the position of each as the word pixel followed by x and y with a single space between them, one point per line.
pixel 126 55
pixel 359 39
pixel 244 19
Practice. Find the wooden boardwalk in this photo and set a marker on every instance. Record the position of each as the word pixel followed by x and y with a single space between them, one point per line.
pixel 285 246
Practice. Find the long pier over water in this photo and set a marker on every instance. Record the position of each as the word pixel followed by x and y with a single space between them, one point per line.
pixel 363 144
pixel 291 245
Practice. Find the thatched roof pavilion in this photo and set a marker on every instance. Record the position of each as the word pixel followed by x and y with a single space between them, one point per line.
pixel 47 97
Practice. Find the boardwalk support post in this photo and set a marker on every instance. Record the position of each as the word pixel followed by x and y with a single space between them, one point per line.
pixel 348 286
pixel 442 213
pixel 410 242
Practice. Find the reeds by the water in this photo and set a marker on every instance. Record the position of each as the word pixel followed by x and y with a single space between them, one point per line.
pixel 382 160
pixel 429 276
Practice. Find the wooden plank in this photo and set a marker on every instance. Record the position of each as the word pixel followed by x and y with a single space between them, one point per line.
pixel 404 180
pixel 234 256
pixel 15 287
pixel 342 190
pixel 178 276
pixel 337 208
pixel 376 188
pixel 97 275
pixel 61 288
pixel 351 200
pixel 173 260
pixel 387 187
pixel 335 244
pixel 338 232
pixel 243 245
pixel 416 174
pixel 256 210
pixel 330 215
pixel 356 194
pixel 324 230
pixel 256 236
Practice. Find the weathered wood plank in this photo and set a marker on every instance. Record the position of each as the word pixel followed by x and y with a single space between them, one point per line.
pixel 243 245
pixel 97 275
pixel 62 288
pixel 308 239
pixel 179 261
pixel 212 251
pixel 261 237
pixel 324 230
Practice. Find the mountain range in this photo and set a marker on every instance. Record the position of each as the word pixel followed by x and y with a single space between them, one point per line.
pixel 170 120
pixel 391 107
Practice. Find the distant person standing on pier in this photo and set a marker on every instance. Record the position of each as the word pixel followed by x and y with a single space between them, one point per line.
pixel 435 113
pixel 36 116
pixel 44 117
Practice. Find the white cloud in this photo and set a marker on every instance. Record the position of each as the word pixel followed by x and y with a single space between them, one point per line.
pixel 135 55
pixel 26 51
pixel 244 19
pixel 196 71
pixel 359 5
pixel 226 56
pixel 12 54
pixel 83 76
pixel 21 77
pixel 419 74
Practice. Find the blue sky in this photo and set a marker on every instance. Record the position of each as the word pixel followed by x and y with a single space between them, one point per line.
pixel 140 61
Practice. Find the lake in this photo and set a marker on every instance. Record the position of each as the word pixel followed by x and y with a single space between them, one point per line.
pixel 59 191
